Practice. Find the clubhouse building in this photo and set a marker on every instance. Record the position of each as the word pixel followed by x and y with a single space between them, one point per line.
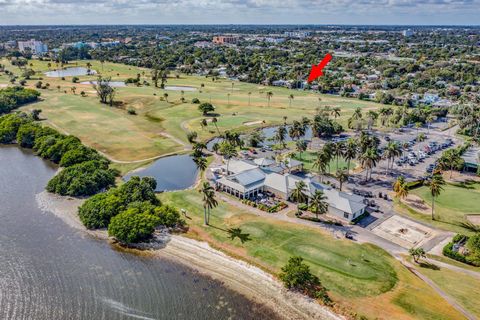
pixel 247 179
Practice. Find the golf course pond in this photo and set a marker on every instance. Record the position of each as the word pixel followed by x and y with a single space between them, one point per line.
pixel 268 133
pixel 172 173
pixel 70 72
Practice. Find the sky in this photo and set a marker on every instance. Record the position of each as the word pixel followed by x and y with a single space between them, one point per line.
pixel 406 12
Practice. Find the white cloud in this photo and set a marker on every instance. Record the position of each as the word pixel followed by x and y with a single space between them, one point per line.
pixel 240 11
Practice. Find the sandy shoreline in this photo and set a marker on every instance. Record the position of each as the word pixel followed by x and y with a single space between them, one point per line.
pixel 240 276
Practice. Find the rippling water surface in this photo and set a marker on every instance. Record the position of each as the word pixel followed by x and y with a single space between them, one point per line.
pixel 50 271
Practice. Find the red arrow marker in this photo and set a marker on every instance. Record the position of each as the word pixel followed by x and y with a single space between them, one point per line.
pixel 317 70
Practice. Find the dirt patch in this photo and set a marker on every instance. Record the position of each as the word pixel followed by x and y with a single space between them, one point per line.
pixel 417 203
pixel 473 218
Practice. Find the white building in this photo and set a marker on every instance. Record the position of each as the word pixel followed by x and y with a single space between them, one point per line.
pixel 297 34
pixel 36 47
pixel 246 180
pixel 408 33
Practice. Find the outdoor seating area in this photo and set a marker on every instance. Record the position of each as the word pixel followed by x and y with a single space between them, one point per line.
pixel 266 201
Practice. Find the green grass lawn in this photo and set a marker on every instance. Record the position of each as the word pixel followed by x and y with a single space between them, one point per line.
pixel 455 201
pixel 465 289
pixel 138 137
pixel 308 158
pixel 362 276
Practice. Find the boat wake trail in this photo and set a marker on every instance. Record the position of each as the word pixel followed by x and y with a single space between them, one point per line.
pixel 125 310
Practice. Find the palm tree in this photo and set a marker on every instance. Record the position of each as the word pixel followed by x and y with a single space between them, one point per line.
pixel 369 160
pixel 338 151
pixel 320 164
pixel 249 94
pixel 165 95
pixel 400 188
pixel 417 253
pixel 436 187
pixel 299 194
pixel 319 202
pixel 280 135
pixel 203 123
pixel 214 121
pixel 192 136
pixel 201 163
pixel 290 98
pixel 228 151
pixel 74 89
pixel 371 118
pixel 385 113
pixel 350 152
pixel 228 97
pixel 269 96
pixel 209 200
pixel 342 176
pixel 296 130
pixel 336 112
pixel 392 150
pixel 301 146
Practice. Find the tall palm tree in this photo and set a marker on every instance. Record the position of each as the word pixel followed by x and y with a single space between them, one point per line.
pixel 269 96
pixel 327 152
pixel 214 121
pixel 320 164
pixel 280 135
pixel 391 151
pixel 201 163
pixel 209 201
pixel 342 176
pixel 400 188
pixel 296 131
pixel 301 146
pixel 436 187
pixel 336 112
pixel 299 194
pixel 350 152
pixel 290 98
pixel 165 95
pixel 319 202
pixel 338 151
pixel 228 151
pixel 249 94
pixel 369 160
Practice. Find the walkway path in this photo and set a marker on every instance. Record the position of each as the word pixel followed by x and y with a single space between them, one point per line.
pixel 442 293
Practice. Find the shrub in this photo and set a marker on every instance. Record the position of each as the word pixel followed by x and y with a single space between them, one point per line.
pixel 131 226
pixel 97 211
pixel 131 111
pixel 296 275
pixel 195 101
pixel 83 179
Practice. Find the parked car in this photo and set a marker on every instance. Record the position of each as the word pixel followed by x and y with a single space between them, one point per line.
pixel 349 235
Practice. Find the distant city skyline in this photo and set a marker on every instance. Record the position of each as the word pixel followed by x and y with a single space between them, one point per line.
pixel 384 12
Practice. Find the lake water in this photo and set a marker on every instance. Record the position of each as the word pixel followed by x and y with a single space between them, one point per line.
pixel 70 72
pixel 49 271
pixel 172 173
pixel 269 133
